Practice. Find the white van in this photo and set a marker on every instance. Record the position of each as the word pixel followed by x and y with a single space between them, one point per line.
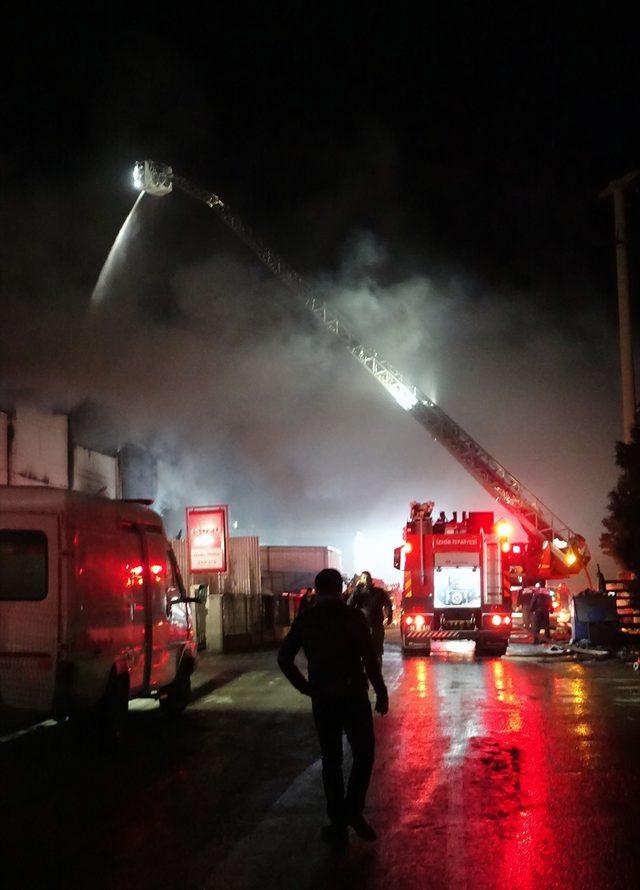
pixel 92 607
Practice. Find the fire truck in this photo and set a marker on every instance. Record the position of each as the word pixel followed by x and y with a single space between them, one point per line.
pixel 457 581
pixel 552 550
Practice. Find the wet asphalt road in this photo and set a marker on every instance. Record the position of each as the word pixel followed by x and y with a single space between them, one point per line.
pixel 496 773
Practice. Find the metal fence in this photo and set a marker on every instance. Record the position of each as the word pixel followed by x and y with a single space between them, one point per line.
pixel 238 614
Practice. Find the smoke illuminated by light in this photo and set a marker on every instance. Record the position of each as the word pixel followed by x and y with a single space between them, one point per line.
pixel 373 552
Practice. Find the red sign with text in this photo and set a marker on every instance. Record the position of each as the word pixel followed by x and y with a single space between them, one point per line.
pixel 207 539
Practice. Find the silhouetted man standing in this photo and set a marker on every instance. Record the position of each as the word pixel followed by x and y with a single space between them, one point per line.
pixel 340 657
pixel 376 605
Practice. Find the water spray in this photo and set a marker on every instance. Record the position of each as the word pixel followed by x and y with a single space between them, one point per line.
pixel 100 290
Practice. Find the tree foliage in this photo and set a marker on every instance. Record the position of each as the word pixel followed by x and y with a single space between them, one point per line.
pixel 622 537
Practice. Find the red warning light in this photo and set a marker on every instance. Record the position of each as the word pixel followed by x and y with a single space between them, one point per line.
pixel 133 575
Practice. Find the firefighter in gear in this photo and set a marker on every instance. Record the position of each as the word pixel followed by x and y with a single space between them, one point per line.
pixel 340 657
pixel 375 604
pixel 524 604
pixel 540 611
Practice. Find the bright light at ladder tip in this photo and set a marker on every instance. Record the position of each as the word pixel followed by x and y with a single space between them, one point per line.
pixel 403 396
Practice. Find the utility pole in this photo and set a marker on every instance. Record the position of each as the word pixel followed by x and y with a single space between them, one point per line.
pixel 616 188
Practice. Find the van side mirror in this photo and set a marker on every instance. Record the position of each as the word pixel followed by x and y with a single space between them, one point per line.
pixel 201 594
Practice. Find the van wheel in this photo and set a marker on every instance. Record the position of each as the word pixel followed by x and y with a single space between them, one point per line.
pixel 114 708
pixel 177 696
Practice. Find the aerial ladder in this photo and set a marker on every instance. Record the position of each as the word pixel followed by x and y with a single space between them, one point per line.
pixel 563 551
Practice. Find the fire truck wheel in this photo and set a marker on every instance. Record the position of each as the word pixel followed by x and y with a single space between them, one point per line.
pixel 490 651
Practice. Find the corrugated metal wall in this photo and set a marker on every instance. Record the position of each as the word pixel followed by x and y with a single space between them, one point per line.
pixel 4 449
pixel 95 473
pixel 300 559
pixel 39 452
pixel 244 568
pixel 40 449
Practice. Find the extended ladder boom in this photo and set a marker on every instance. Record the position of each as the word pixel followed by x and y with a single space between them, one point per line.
pixel 568 549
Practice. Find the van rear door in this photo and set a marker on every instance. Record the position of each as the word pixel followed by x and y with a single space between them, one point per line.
pixel 29 610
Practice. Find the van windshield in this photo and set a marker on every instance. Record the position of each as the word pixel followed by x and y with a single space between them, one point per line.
pixel 23 564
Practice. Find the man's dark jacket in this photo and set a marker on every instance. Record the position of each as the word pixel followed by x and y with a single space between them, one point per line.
pixel 541 602
pixel 340 655
pixel 374 603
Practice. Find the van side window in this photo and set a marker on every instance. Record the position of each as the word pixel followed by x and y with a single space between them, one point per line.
pixel 23 564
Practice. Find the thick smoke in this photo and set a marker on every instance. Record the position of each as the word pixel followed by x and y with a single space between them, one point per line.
pixel 249 403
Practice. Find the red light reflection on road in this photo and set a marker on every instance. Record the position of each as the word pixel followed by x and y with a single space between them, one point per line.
pixel 476 753
pixel 517 720
pixel 418 750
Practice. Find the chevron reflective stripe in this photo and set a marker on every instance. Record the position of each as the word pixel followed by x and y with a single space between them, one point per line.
pixel 506 581
pixel 437 634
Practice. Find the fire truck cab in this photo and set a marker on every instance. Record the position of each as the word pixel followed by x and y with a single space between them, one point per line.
pixel 455 584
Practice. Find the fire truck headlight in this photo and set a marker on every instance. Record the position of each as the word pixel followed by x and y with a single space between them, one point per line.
pixel 408 620
pixel 419 622
pixel 496 620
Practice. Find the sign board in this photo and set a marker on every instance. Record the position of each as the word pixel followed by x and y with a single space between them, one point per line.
pixel 461 558
pixel 456 542
pixel 207 538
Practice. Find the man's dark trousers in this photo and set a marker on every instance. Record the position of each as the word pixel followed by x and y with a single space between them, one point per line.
pixel 540 622
pixel 353 715
pixel 377 636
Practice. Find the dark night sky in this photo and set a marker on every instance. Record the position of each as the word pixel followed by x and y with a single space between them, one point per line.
pixel 438 170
